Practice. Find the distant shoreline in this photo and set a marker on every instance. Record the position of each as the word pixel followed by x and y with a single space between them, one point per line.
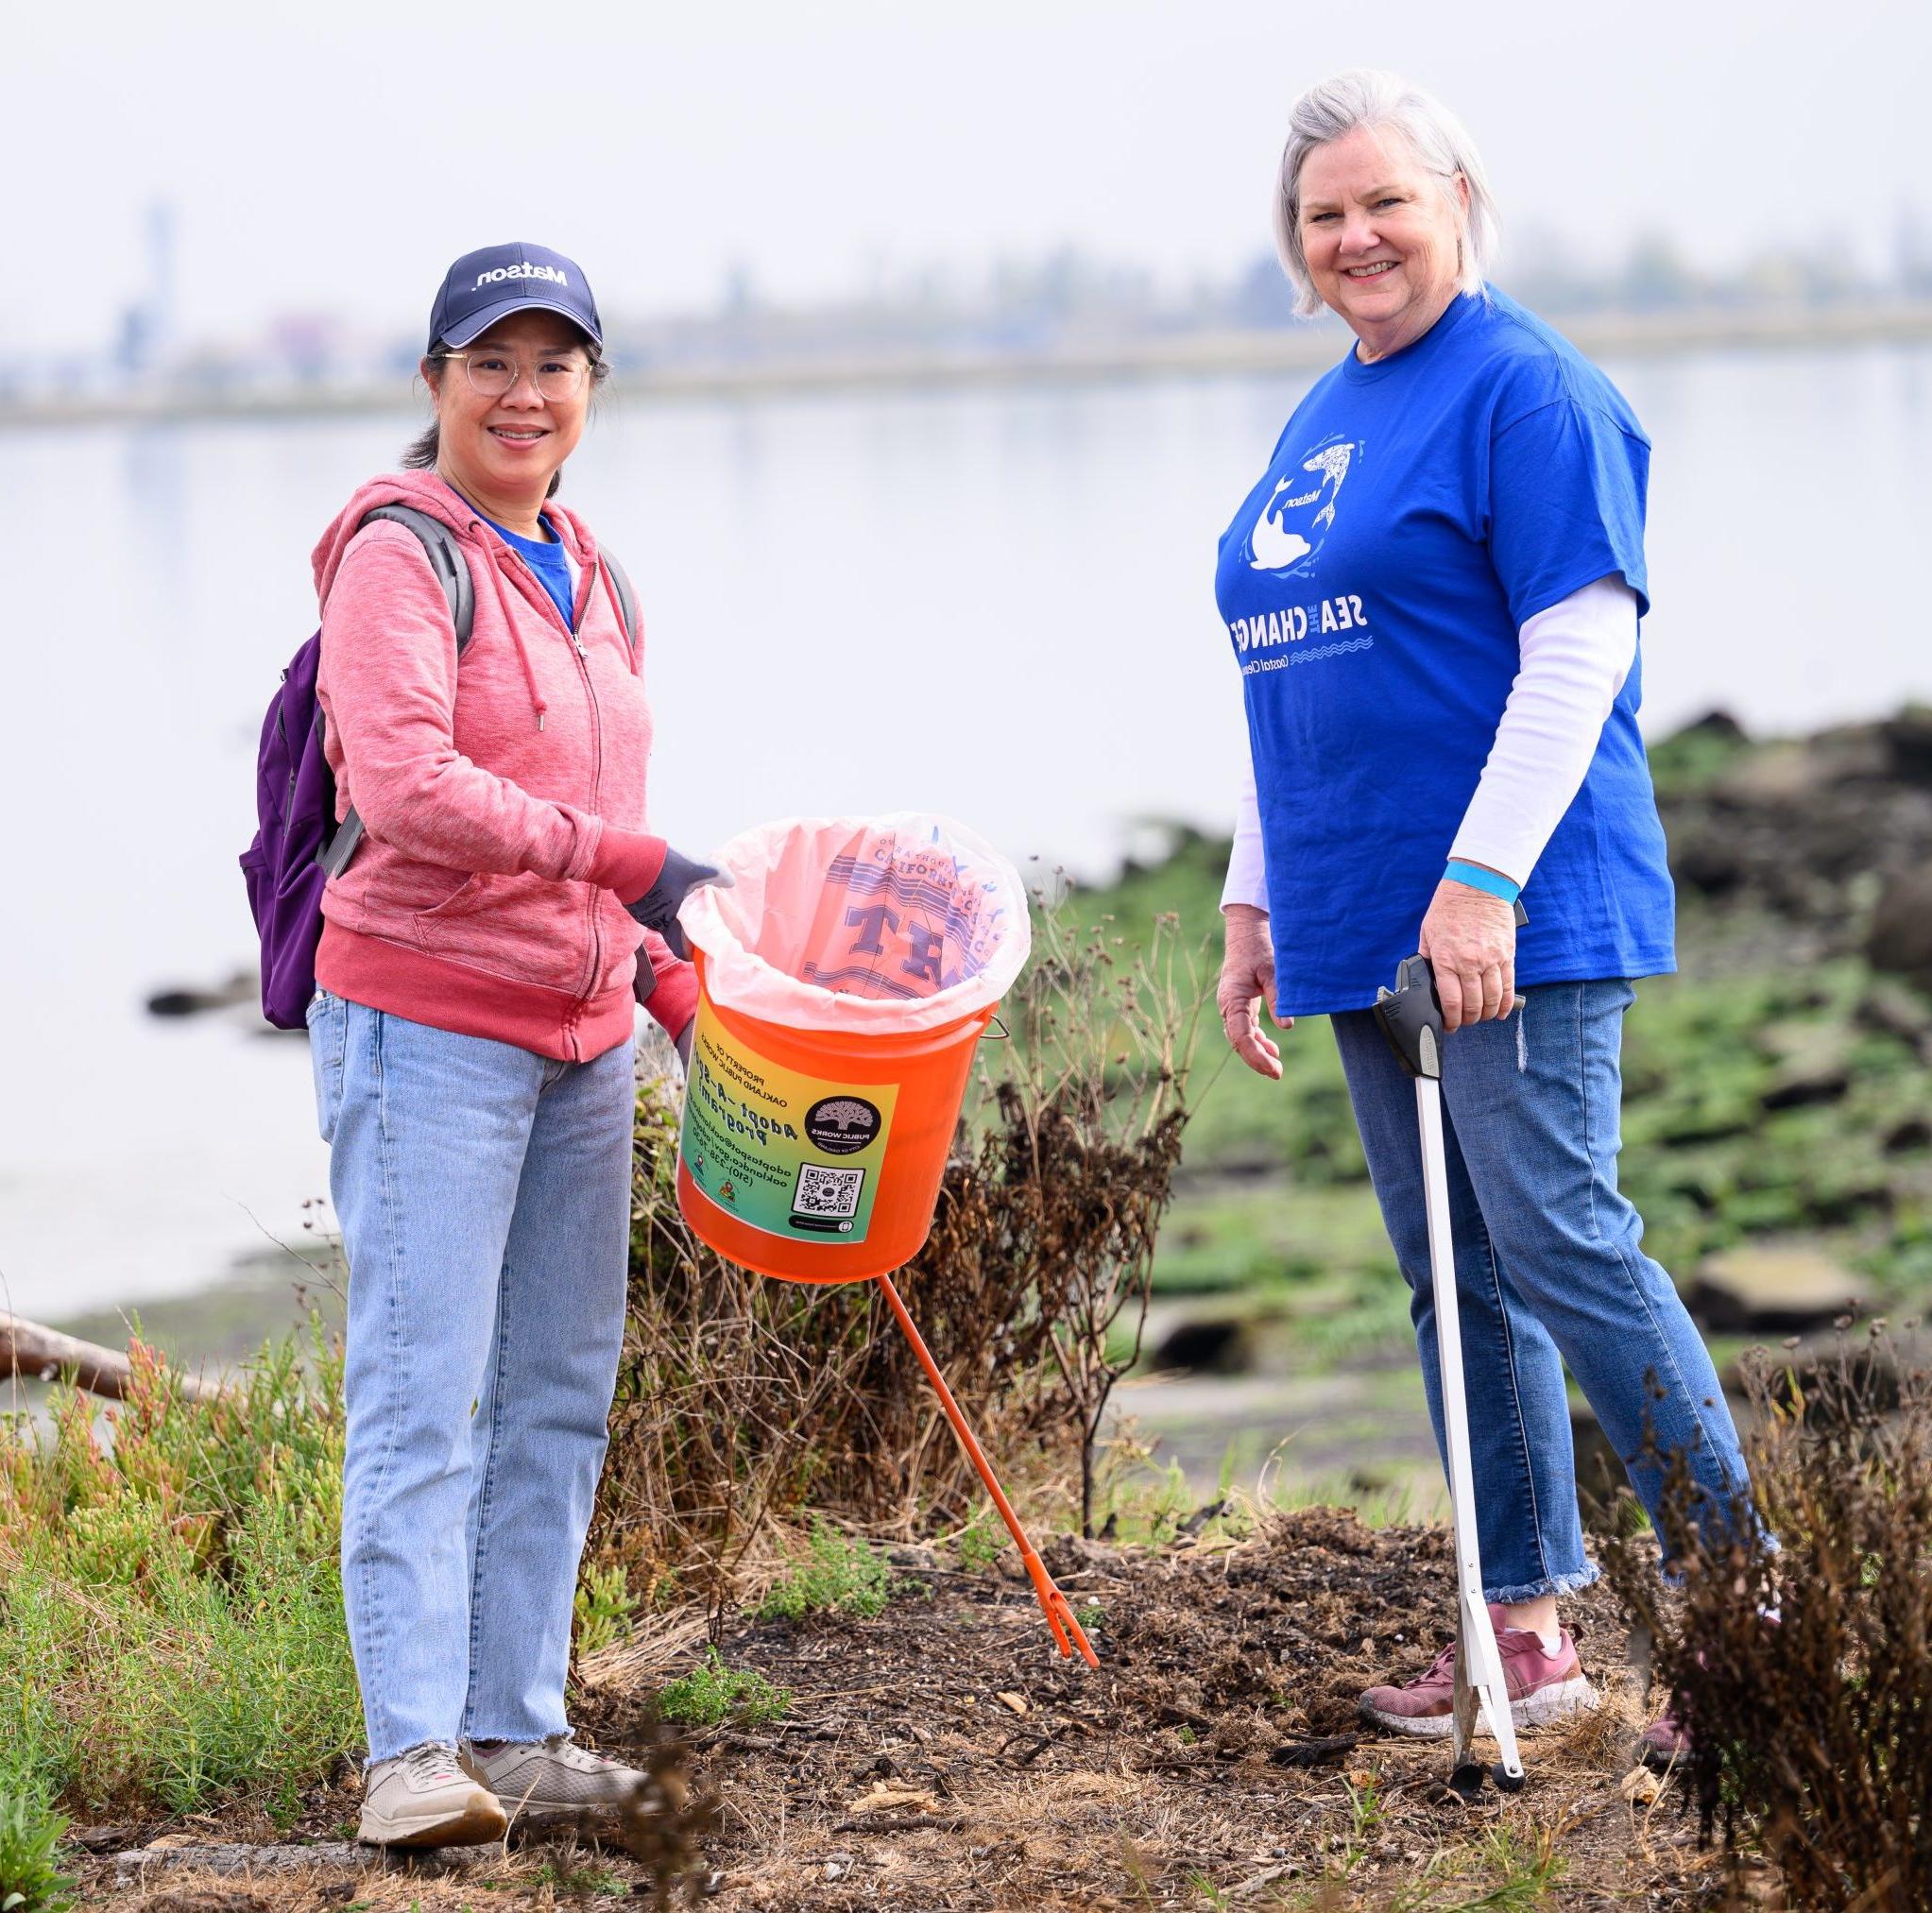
pixel 1197 354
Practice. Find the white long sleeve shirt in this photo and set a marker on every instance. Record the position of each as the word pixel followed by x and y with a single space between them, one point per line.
pixel 1574 659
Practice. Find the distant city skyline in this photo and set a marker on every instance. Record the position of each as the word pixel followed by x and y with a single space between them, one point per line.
pixel 314 167
pixel 1064 308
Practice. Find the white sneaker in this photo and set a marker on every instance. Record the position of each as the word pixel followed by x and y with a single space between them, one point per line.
pixel 552 1776
pixel 424 1799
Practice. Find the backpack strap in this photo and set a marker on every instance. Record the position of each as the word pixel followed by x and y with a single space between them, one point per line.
pixel 445 559
pixel 626 599
pixel 452 570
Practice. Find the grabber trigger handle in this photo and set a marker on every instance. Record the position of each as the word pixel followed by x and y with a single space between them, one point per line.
pixel 1411 1019
pixel 1410 1014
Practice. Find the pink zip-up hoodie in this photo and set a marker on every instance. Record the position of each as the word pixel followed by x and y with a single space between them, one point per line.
pixel 505 804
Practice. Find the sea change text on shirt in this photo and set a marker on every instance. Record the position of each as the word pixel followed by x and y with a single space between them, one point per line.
pixel 1289 626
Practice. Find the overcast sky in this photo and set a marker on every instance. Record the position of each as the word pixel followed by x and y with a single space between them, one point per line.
pixel 333 159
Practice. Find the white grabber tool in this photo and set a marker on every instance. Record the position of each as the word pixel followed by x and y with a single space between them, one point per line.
pixel 1412 1019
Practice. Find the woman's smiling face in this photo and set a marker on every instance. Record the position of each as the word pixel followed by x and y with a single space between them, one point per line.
pixel 510 446
pixel 1382 237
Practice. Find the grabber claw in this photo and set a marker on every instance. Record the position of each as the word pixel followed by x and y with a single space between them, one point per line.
pixel 1053 1604
pixel 1067 1631
pixel 1480 1692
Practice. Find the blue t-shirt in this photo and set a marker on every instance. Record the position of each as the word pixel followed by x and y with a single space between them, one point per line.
pixel 1416 512
pixel 548 560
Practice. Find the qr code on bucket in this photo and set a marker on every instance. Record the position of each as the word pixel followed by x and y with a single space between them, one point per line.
pixel 827 1191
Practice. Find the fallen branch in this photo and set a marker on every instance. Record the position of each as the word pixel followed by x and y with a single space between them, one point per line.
pixel 45 1355
pixel 1313 1753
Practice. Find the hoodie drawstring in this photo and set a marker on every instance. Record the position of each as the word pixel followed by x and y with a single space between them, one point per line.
pixel 510 618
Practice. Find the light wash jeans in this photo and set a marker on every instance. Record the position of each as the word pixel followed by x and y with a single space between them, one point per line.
pixel 484 1194
pixel 1548 1270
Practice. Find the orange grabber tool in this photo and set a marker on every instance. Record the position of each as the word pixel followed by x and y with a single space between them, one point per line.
pixel 1067 1631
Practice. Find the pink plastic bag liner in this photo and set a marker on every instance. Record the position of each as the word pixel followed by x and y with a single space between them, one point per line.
pixel 884 924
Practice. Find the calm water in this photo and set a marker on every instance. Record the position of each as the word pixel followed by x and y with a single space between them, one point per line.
pixel 995 604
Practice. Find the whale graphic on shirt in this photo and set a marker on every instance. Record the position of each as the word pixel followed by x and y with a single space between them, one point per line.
pixel 1274 544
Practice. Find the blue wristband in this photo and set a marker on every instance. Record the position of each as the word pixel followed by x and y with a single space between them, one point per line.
pixel 1478 879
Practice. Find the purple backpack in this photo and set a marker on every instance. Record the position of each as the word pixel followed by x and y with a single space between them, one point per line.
pixel 299 844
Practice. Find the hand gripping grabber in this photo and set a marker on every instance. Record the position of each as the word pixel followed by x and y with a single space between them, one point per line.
pixel 1411 1018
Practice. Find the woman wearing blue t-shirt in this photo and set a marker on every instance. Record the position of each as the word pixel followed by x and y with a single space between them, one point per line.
pixel 1432 596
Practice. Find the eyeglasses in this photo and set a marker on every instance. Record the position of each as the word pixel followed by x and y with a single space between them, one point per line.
pixel 494 375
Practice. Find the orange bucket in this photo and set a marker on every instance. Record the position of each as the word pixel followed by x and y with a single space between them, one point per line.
pixel 810 1157
pixel 844 981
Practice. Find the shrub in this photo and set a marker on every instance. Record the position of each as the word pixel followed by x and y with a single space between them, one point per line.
pixel 982 1541
pixel 1811 1733
pixel 1075 1174
pixel 838 1574
pixel 711 1692
pixel 741 1400
pixel 30 1876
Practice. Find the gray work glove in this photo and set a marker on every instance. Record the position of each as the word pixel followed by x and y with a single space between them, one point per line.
pixel 657 908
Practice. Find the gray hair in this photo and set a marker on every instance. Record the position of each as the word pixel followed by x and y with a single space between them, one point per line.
pixel 1364 97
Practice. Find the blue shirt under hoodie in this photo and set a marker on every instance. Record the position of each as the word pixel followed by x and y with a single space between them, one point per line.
pixel 549 561
pixel 1418 510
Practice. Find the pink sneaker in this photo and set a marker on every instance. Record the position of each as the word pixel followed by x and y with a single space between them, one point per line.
pixel 1664 1743
pixel 1542 1687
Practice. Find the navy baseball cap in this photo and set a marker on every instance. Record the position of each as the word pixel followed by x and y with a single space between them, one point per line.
pixel 495 280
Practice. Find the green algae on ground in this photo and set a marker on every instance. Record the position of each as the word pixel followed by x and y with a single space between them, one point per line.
pixel 1764 1100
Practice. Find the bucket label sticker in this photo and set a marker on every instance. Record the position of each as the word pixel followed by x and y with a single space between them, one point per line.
pixel 790 1154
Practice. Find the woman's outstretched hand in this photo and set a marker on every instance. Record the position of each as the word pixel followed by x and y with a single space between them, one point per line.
pixel 1247 978
pixel 1469 937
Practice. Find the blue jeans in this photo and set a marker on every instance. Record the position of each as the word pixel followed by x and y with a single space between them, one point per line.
pixel 484 1194
pixel 1549 1269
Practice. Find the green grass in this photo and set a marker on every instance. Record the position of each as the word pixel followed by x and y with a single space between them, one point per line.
pixel 1143 1504
pixel 595 1882
pixel 837 1574
pixel 1525 1872
pixel 1148 1504
pixel 1366 1812
pixel 171 1602
pixel 711 1693
pixel 30 1876
pixel 1253 1232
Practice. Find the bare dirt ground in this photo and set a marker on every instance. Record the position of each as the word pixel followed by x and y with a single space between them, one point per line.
pixel 943 1756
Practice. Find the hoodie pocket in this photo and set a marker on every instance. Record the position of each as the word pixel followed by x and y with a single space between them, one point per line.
pixel 467 895
pixel 525 928
pixel 401 887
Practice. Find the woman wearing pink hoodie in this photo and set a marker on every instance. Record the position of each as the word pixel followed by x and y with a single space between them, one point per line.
pixel 471 1040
